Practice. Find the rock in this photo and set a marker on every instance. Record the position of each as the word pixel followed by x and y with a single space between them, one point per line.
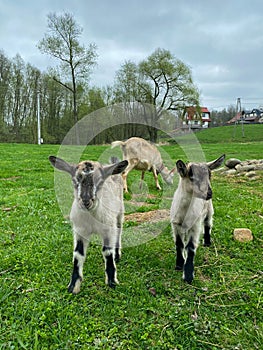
pixel 254 178
pixel 231 172
pixel 238 167
pixel 232 162
pixel 220 170
pixel 250 174
pixel 244 167
pixel 243 234
pixel 248 168
pixel 259 166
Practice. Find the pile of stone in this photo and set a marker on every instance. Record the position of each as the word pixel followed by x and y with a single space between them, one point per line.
pixel 248 168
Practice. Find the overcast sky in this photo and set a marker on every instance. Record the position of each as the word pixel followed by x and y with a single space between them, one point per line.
pixel 221 41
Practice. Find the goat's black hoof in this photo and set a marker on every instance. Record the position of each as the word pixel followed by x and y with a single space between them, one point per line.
pixel 74 286
pixel 207 244
pixel 188 277
pixel 117 257
pixel 70 288
pixel 178 268
pixel 188 280
pixel 112 284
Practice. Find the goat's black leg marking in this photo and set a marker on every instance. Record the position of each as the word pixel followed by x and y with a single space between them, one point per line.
pixel 76 273
pixel 117 255
pixel 80 247
pixel 189 264
pixel 75 276
pixel 207 236
pixel 179 253
pixel 109 266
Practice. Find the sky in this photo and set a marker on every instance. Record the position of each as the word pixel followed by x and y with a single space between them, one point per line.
pixel 221 41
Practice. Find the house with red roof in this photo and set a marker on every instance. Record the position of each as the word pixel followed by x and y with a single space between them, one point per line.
pixel 196 118
pixel 235 119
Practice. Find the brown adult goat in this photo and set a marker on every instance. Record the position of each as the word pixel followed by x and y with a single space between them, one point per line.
pixel 143 156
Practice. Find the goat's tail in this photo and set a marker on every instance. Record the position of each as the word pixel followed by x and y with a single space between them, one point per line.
pixel 117 143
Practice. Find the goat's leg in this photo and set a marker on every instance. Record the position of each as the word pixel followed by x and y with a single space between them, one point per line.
pixel 207 231
pixel 188 273
pixel 118 240
pixel 124 177
pixel 179 253
pixel 79 255
pixel 155 175
pixel 110 268
pixel 142 178
pixel 207 236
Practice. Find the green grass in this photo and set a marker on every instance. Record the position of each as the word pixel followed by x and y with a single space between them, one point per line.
pixel 222 309
pixel 231 133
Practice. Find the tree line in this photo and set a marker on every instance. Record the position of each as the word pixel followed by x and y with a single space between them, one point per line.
pixel 160 80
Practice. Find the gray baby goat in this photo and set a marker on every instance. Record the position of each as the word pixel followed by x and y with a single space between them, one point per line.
pixel 97 208
pixel 192 209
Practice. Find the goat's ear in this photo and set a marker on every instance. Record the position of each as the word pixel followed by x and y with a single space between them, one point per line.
pixel 181 168
pixel 62 165
pixel 216 163
pixel 115 168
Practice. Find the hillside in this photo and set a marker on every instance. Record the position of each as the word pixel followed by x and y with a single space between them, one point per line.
pixel 253 132
pixel 226 134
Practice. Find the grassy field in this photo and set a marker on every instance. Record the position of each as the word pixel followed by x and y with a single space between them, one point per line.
pixel 152 308
pixel 231 133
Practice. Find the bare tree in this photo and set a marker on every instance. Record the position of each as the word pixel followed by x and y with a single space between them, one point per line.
pixel 76 61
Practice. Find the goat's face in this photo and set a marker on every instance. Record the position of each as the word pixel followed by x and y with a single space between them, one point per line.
pixel 85 184
pixel 199 180
pixel 169 176
pixel 196 177
pixel 88 177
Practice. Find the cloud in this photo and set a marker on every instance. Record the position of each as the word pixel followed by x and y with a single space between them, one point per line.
pixel 221 42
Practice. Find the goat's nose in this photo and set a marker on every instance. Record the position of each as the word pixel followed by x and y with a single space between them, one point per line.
pixel 88 203
pixel 85 202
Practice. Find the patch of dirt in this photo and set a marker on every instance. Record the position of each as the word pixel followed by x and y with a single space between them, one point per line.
pixel 139 204
pixel 136 201
pixel 12 178
pixel 150 216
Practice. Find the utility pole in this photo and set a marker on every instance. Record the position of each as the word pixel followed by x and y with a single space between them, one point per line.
pixel 239 112
pixel 39 140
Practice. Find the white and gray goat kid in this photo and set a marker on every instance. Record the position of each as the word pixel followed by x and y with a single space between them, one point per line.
pixel 192 212
pixel 97 208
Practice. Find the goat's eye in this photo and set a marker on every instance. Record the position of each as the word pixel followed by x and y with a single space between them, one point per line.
pixel 191 174
pixel 75 182
pixel 79 177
